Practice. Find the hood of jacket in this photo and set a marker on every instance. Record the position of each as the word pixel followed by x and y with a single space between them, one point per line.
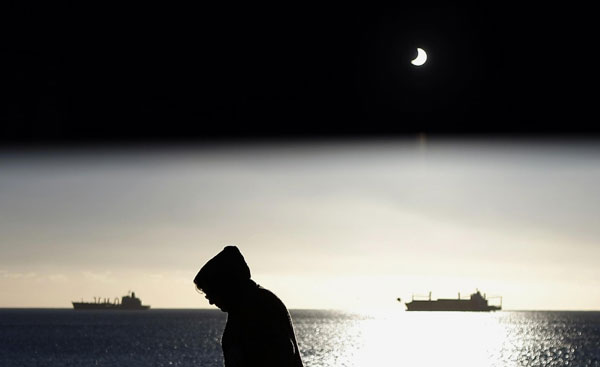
pixel 228 267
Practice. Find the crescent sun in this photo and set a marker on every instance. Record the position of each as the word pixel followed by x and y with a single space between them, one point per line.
pixel 421 57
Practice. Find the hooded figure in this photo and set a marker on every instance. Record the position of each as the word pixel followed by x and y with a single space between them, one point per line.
pixel 259 329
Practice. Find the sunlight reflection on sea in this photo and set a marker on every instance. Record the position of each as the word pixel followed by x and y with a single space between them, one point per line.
pixel 452 338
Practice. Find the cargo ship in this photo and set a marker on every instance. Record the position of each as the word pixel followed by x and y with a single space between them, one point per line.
pixel 476 302
pixel 128 302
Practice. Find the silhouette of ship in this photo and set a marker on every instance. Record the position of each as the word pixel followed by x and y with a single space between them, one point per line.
pixel 476 302
pixel 128 302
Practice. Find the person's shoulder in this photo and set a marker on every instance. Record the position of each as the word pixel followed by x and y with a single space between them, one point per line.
pixel 267 295
pixel 268 300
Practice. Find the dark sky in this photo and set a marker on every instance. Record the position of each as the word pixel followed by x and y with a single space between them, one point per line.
pixel 163 71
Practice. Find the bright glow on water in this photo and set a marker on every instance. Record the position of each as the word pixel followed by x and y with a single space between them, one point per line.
pixel 446 338
pixel 422 339
pixel 326 338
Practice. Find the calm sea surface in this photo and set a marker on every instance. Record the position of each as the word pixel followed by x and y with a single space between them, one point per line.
pixel 326 338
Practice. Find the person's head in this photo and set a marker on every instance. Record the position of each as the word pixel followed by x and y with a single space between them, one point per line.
pixel 221 278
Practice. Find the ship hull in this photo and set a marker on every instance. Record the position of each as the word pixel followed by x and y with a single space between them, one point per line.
pixel 105 306
pixel 449 305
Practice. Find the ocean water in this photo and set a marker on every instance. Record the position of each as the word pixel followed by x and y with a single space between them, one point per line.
pixel 64 337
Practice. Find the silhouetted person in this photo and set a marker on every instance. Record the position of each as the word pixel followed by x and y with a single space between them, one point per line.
pixel 259 331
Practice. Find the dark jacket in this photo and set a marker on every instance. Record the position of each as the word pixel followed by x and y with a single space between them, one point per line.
pixel 260 333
